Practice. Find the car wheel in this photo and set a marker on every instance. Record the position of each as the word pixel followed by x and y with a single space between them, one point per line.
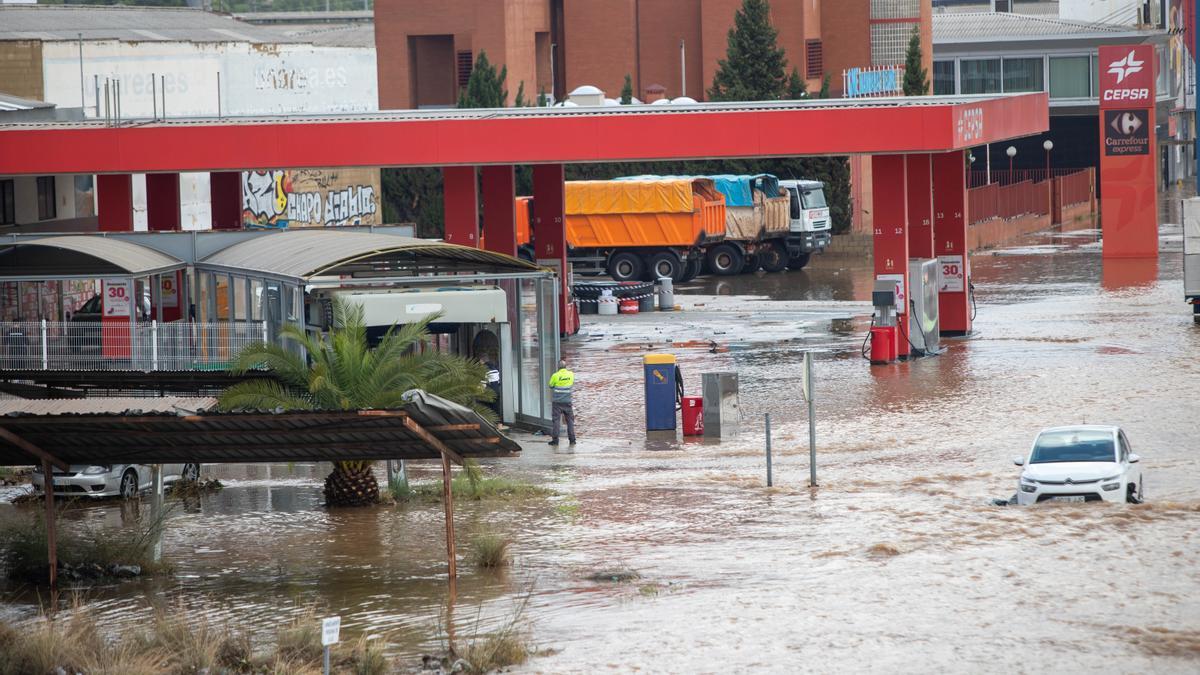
pixel 799 261
pixel 725 260
pixel 625 267
pixel 665 264
pixel 773 258
pixel 129 484
pixel 190 473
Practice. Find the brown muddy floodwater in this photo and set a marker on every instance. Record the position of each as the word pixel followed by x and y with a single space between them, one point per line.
pixel 898 562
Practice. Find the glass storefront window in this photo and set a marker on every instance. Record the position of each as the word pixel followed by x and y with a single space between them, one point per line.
pixel 943 78
pixel 980 76
pixel 1024 74
pixel 1069 77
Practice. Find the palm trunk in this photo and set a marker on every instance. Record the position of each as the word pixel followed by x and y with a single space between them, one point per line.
pixel 351 484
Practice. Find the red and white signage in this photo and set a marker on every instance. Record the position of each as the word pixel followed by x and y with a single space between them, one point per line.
pixel 169 291
pixel 1128 170
pixel 1127 76
pixel 118 294
pixel 953 273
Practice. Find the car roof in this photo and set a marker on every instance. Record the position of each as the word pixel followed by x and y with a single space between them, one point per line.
pixel 1083 427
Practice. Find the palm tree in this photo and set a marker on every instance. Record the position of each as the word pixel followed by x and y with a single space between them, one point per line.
pixel 343 372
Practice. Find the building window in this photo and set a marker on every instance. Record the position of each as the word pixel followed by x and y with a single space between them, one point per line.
pixel 8 211
pixel 1023 75
pixel 943 78
pixel 1069 77
pixel 814 59
pixel 980 76
pixel 465 63
pixel 46 197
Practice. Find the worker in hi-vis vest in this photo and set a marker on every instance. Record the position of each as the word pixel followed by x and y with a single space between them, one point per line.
pixel 561 383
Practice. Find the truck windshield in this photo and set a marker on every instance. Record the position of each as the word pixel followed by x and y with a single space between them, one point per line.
pixel 813 199
pixel 1074 445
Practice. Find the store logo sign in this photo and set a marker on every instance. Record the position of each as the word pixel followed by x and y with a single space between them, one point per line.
pixel 1126 133
pixel 1125 67
pixel 1127 76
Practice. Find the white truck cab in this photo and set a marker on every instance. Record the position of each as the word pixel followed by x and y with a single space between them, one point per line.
pixel 809 227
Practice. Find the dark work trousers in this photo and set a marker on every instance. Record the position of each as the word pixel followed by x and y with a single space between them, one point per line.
pixel 562 410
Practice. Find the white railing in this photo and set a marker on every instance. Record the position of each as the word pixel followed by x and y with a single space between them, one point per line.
pixel 146 346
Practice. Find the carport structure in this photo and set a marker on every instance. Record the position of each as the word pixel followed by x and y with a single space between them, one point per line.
pixel 918 146
pixel 57 434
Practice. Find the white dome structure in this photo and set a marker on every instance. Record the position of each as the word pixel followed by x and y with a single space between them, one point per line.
pixel 611 101
pixel 566 104
pixel 586 95
pixel 662 101
pixel 683 100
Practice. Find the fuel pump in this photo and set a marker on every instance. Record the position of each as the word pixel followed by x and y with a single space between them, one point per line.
pixel 885 333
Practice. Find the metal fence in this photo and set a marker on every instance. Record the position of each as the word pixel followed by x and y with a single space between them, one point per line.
pixel 146 346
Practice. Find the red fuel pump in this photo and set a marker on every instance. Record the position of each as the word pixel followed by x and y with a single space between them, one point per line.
pixel 885 334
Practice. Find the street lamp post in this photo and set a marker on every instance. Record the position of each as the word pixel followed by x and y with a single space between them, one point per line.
pixel 1048 145
pixel 1011 152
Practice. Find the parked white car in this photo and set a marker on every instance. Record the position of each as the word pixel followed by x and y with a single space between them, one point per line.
pixel 1080 464
pixel 111 480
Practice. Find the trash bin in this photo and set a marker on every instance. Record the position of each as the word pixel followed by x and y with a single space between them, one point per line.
pixel 692 408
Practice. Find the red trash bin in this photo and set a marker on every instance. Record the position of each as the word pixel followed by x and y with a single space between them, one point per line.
pixel 883 345
pixel 693 415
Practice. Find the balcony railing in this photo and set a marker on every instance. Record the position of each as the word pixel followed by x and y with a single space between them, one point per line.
pixel 146 346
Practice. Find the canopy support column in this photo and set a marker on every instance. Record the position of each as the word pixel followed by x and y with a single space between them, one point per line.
pixel 49 462
pixel 500 209
pixel 114 201
pixel 447 491
pixel 460 195
pixel 920 206
pixel 950 242
pixel 162 202
pixel 225 197
pixel 550 233
pixel 890 189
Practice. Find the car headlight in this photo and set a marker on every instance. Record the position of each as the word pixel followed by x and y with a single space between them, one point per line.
pixel 97 469
pixel 1028 484
pixel 1109 487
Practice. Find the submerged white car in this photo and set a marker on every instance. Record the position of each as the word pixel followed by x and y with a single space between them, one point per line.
pixel 1080 464
pixel 111 480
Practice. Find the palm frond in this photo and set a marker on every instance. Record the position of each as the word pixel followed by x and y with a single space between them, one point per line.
pixel 262 395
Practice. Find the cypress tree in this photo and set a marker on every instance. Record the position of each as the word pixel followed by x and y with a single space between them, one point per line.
pixel 916 78
pixel 754 67
pixel 485 88
pixel 627 90
pixel 797 88
pixel 519 101
pixel 824 93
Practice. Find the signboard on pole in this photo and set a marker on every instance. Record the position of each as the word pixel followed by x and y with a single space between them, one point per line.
pixel 331 629
pixel 1128 166
pixel 116 309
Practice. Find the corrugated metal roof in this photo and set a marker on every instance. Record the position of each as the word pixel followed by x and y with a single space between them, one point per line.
pixel 300 254
pixel 169 430
pixel 145 24
pixel 101 255
pixel 9 103
pixel 954 27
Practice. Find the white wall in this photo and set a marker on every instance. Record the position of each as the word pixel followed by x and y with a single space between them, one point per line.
pixel 25 195
pixel 1122 12
pixel 255 80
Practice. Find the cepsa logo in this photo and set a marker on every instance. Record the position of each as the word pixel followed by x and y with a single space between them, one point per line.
pixel 969 125
pixel 1127 76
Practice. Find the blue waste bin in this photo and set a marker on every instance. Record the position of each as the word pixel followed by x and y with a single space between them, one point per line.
pixel 659 371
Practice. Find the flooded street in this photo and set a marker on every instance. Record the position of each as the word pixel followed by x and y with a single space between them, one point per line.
pixel 897 562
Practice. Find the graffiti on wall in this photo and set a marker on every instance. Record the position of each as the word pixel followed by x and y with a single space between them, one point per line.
pixel 310 198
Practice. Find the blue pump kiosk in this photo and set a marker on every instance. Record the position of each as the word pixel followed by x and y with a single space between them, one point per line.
pixel 659 372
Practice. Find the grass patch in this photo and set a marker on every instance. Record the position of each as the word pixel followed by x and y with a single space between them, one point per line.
pixel 568 509
pixel 89 553
pixel 178 642
pixel 490 551
pixel 470 483
pixel 616 576
pixel 192 488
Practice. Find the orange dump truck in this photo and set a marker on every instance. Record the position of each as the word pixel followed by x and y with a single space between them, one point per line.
pixel 637 229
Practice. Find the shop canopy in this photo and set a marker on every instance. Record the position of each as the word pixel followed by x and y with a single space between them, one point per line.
pixel 80 256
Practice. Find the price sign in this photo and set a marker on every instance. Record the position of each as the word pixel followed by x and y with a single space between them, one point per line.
pixel 954 274
pixel 169 291
pixel 330 630
pixel 118 294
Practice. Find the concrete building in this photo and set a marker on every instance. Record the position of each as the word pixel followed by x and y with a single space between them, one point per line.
pixel 668 47
pixel 990 52
pixel 127 63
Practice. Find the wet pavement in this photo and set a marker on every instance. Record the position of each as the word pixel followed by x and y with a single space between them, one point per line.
pixel 897 562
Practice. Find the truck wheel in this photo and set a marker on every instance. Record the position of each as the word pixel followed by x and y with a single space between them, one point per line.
pixel 799 261
pixel 750 264
pixel 665 264
pixel 725 260
pixel 692 269
pixel 624 267
pixel 773 258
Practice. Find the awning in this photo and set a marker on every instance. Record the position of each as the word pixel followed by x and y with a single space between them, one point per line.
pixel 191 430
pixel 301 254
pixel 67 256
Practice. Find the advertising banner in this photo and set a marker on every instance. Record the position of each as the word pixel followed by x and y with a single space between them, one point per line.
pixel 1128 166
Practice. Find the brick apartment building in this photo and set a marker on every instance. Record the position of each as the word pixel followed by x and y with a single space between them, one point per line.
pixel 425 50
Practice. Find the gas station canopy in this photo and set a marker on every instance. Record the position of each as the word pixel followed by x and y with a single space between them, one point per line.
pixel 927 124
